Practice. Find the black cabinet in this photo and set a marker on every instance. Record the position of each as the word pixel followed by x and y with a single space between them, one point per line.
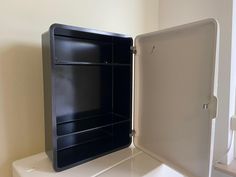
pixel 87 94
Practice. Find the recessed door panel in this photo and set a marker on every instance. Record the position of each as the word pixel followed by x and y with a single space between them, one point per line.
pixel 175 99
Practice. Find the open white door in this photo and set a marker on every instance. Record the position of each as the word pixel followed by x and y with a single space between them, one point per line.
pixel 175 95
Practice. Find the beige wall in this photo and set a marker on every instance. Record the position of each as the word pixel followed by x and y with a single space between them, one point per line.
pixel 21 93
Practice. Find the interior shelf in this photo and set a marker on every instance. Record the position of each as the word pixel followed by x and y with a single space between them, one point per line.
pixel 86 115
pixel 83 138
pixel 89 123
pixel 89 39
pixel 64 62
pixel 94 144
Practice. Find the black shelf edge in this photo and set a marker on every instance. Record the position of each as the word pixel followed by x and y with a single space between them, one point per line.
pixel 119 115
pixel 95 128
pixel 60 62
pixel 91 116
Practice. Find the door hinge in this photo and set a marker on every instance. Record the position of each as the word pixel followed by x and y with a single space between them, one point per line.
pixel 132 133
pixel 133 49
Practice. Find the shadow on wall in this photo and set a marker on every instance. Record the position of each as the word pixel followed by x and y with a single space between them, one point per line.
pixel 21 104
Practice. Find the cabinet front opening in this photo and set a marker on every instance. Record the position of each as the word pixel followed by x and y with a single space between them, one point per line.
pixel 90 88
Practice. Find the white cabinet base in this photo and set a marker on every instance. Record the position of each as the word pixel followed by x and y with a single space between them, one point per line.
pixel 129 162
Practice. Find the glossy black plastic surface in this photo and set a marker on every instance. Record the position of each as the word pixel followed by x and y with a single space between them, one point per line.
pixel 88 94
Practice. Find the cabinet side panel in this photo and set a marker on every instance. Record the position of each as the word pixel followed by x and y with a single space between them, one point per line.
pixel 47 93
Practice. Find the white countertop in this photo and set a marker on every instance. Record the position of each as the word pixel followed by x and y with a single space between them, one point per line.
pixel 129 162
